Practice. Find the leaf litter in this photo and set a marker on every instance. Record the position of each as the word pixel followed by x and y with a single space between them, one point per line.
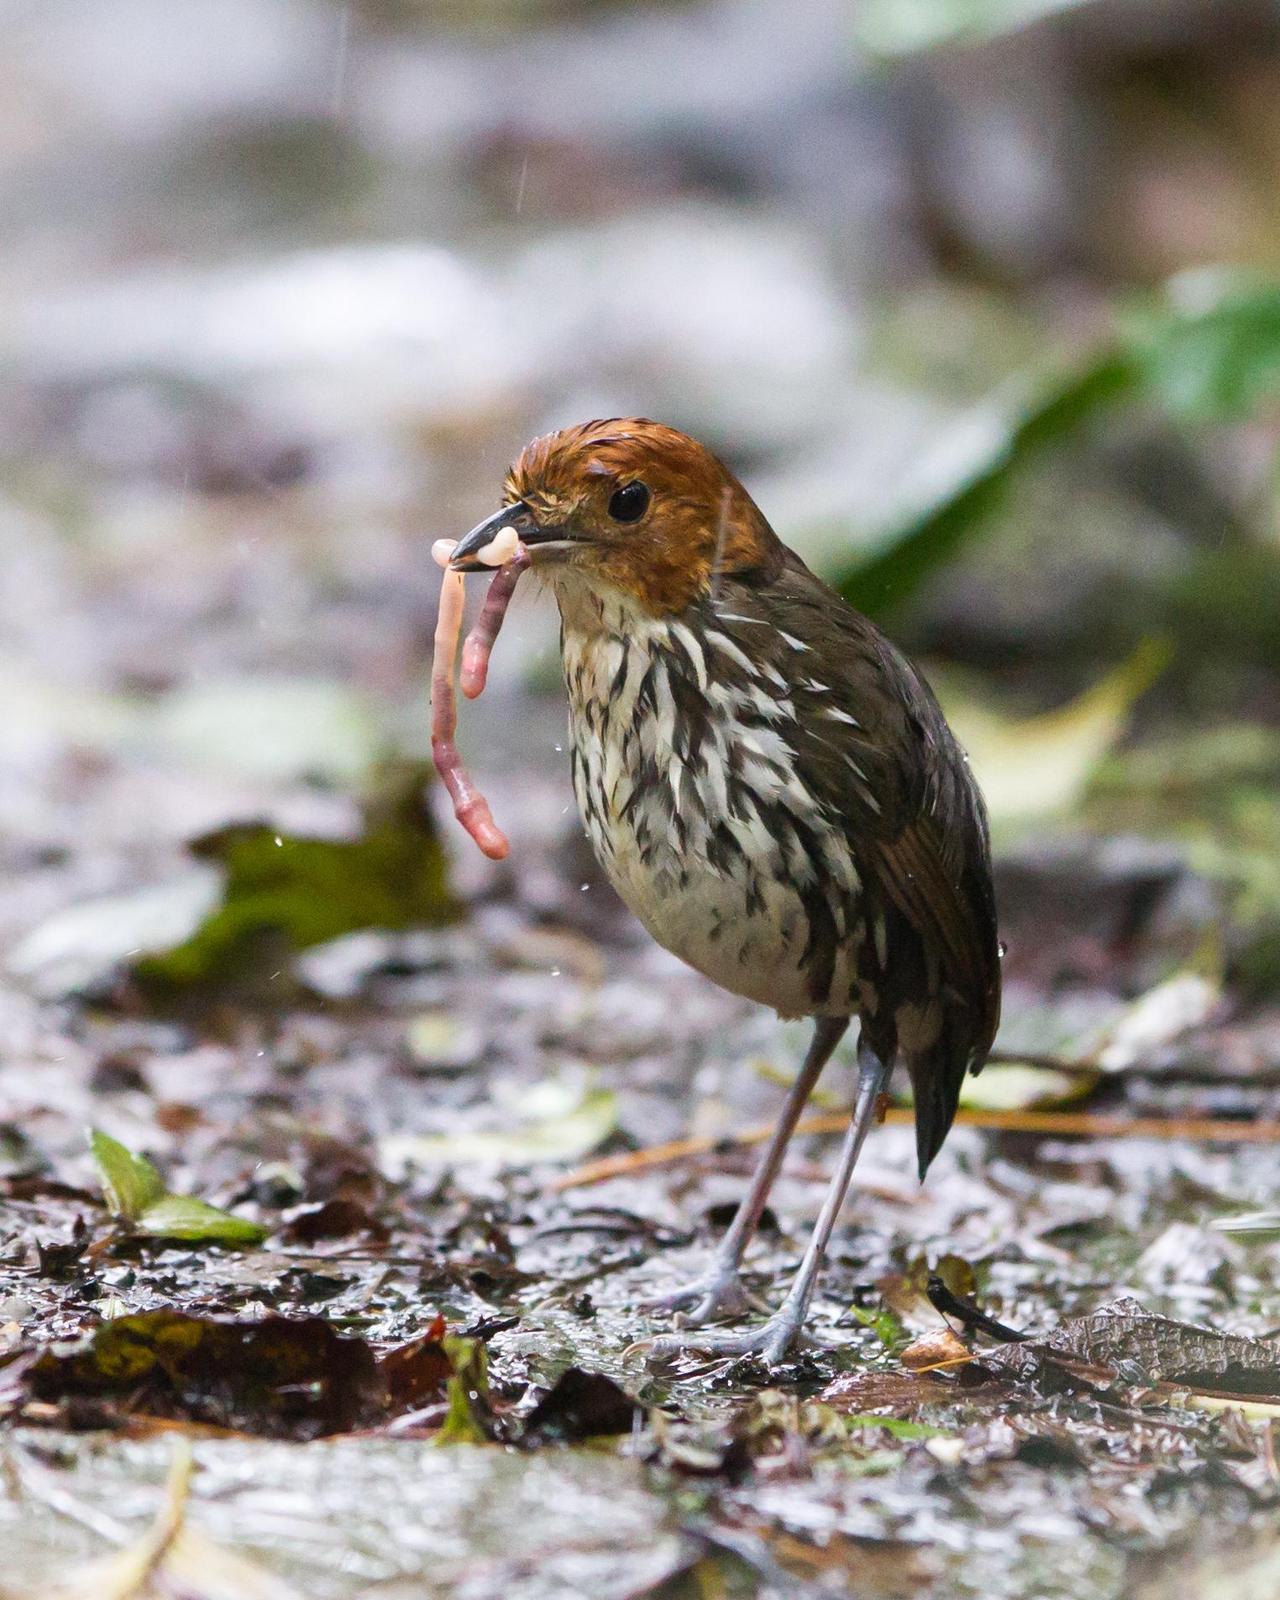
pixel 460 1299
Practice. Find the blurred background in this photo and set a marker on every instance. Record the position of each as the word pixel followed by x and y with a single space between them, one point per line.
pixel 981 297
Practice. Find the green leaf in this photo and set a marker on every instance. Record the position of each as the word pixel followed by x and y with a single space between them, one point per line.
pixel 284 893
pixel 1206 350
pixel 256 898
pixel 904 27
pixel 130 1183
pixel 908 554
pixel 899 1427
pixel 1257 1225
pixel 884 1323
pixel 135 1193
pixel 1209 350
pixel 182 1216
pixel 467 1392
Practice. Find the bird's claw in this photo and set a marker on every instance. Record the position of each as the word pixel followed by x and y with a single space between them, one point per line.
pixel 718 1294
pixel 770 1341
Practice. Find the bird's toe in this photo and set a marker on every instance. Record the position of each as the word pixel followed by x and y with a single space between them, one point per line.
pixel 718 1294
pixel 770 1341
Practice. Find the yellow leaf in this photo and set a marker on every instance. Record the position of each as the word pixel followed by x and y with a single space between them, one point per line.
pixel 1039 766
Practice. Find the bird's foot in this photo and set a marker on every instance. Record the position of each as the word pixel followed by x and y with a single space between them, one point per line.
pixel 719 1293
pixel 770 1340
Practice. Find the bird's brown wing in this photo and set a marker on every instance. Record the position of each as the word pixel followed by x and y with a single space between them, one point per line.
pixel 874 745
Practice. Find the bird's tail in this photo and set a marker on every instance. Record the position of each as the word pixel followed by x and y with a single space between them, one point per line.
pixel 938 1073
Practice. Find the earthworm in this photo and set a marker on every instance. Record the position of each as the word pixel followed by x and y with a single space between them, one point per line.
pixel 479 642
pixel 469 805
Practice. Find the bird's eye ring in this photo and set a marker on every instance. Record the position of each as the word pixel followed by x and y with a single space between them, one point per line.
pixel 630 502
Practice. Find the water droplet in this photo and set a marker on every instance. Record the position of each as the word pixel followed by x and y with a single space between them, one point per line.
pixel 583 887
pixel 1003 948
pixel 279 842
pixel 555 972
pixel 559 749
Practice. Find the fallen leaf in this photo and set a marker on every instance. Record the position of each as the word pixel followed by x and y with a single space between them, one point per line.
pixel 1037 767
pixel 275 729
pixel 581 1405
pixel 136 1194
pixel 1163 1014
pixel 1124 1337
pixel 938 1349
pixel 1256 1225
pixel 80 949
pixel 563 1137
pixel 1018 1086
pixel 418 1370
pixel 291 1378
pixel 284 893
pixel 337 1218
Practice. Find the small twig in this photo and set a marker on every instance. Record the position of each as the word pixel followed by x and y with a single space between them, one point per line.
pixel 1052 1124
pixel 1083 1067
pixel 130 1571
pixel 946 1365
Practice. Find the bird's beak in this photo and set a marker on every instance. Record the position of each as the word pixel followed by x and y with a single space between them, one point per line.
pixel 517 516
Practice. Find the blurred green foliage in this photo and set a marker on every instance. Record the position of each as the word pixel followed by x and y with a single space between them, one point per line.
pixel 1207 351
pixel 138 1199
pixel 903 27
pixel 910 553
pixel 284 893
pixel 1216 792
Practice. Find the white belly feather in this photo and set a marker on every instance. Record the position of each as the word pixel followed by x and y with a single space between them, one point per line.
pixel 734 910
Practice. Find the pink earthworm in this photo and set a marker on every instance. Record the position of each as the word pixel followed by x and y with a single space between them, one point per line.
pixel 480 641
pixel 469 805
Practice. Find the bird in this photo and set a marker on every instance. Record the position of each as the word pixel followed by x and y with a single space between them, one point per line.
pixel 773 790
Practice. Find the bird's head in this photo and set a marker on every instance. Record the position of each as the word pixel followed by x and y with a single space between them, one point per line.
pixel 630 505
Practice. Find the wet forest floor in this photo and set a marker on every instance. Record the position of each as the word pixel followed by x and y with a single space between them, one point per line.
pixel 460 1399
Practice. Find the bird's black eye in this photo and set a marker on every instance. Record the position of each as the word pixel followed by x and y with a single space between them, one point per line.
pixel 629 503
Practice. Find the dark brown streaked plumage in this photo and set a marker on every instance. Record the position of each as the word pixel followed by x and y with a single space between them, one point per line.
pixel 770 785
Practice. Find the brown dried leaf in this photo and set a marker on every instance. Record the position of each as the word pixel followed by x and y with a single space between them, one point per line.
pixel 1136 1345
pixel 291 1378
pixel 938 1349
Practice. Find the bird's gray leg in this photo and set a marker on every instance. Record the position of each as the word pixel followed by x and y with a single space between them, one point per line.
pixel 772 1338
pixel 720 1290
